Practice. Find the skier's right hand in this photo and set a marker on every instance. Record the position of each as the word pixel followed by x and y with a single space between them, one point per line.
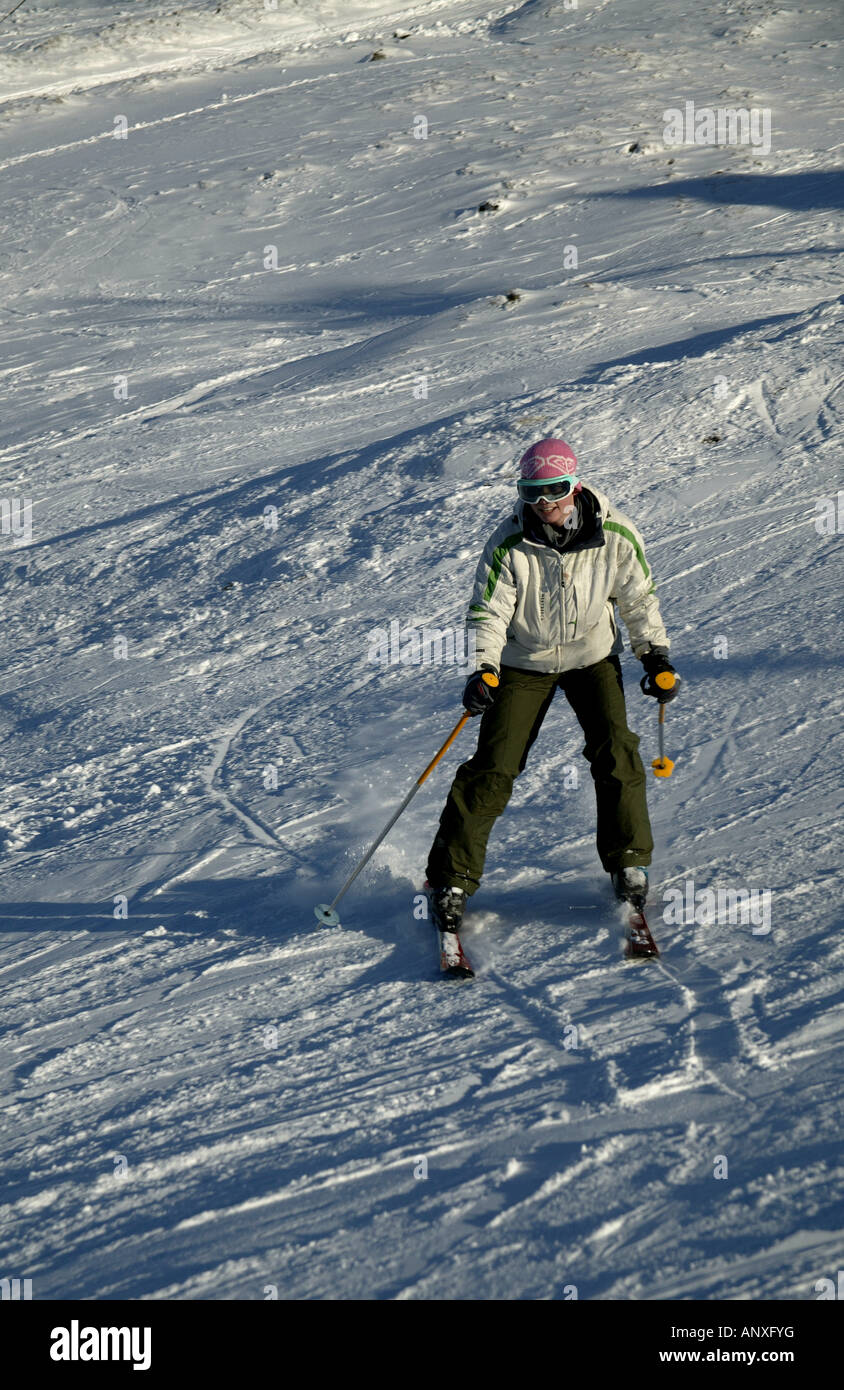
pixel 479 693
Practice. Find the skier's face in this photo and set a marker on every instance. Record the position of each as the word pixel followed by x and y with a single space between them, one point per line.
pixel 554 513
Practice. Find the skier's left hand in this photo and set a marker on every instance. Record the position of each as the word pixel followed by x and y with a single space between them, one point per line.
pixel 479 694
pixel 656 663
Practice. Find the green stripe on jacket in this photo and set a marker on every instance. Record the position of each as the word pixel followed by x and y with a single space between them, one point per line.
pixel 628 535
pixel 497 561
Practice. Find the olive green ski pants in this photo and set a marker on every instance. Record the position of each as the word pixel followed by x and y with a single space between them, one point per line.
pixel 482 786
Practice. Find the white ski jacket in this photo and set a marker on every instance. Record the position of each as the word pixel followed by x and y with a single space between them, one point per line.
pixel 542 609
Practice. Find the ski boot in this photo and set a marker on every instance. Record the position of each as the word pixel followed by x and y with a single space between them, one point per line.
pixel 447 906
pixel 630 885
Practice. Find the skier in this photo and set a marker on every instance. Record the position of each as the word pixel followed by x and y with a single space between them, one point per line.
pixel 542 615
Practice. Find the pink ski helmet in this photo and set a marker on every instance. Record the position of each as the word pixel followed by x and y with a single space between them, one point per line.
pixel 549 460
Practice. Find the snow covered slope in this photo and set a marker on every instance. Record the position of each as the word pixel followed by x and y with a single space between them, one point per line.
pixel 263 384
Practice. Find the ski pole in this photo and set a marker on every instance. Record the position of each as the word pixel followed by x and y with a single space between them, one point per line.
pixel 662 766
pixel 326 912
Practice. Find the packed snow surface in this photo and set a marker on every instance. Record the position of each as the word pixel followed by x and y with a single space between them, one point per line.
pixel 265 372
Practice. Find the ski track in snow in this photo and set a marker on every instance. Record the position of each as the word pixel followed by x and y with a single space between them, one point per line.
pixel 212 1095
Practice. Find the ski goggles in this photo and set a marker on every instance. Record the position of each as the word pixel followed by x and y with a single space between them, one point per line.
pixel 547 489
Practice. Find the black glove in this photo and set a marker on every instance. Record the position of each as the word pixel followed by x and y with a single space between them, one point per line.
pixel 478 696
pixel 656 663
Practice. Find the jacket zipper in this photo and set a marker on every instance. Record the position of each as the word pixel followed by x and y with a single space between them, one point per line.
pixel 574 592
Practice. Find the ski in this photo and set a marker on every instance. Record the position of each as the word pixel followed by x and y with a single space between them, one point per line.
pixel 640 943
pixel 454 963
